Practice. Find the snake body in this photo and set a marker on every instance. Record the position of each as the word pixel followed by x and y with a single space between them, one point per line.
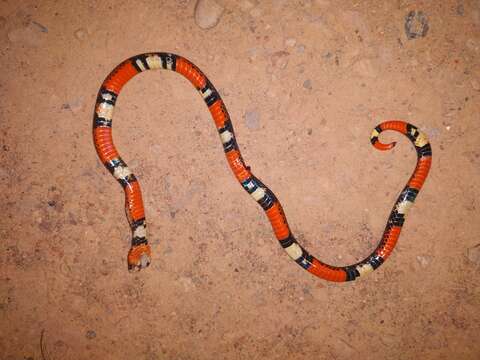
pixel 140 253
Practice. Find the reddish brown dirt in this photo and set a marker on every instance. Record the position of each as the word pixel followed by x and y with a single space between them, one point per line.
pixel 305 82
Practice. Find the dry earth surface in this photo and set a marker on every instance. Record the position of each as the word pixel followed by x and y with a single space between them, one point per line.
pixel 305 82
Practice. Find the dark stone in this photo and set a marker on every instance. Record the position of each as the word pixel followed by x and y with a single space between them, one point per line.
pixel 90 334
pixel 416 24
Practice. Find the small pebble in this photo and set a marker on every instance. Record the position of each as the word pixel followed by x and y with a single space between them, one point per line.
pixel 473 254
pixel 279 59
pixel 307 84
pixel 252 119
pixel 475 84
pixel 460 10
pixel 416 24
pixel 40 27
pixel 290 42
pixel 90 334
pixel 424 260
pixel 75 106
pixel 300 48
pixel 80 34
pixel 208 13
pixel 4 175
pixel 253 53
pixel 472 45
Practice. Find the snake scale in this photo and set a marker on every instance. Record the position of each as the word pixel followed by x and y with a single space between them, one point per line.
pixel 139 256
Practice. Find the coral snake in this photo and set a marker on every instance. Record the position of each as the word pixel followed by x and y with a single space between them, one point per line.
pixel 140 253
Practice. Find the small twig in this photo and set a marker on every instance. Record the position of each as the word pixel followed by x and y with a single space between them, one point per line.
pixel 43 350
pixel 41 27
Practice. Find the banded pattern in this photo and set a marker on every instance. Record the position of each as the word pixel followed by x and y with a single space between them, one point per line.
pixel 140 252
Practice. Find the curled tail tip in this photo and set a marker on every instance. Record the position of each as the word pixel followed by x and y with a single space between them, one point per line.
pixel 384 147
pixel 377 143
pixel 396 125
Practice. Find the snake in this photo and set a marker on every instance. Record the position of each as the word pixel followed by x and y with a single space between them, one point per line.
pixel 140 253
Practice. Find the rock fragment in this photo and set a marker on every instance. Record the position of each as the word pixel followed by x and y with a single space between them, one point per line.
pixel 416 25
pixel 473 254
pixel 290 42
pixel 307 84
pixel 90 334
pixel 208 13
pixel 279 59
pixel 424 260
pixel 252 119
pixel 80 34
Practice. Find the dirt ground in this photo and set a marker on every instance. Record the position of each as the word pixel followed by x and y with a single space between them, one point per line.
pixel 305 82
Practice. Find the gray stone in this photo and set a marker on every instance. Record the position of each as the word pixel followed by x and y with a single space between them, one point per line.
pixel 416 24
pixel 252 119
pixel 307 84
pixel 90 334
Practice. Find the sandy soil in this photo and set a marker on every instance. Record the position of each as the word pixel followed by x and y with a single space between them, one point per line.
pixel 305 82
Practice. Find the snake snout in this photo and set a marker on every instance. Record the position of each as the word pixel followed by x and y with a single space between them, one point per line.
pixel 139 257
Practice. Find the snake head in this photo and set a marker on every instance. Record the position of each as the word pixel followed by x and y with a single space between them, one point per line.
pixel 139 257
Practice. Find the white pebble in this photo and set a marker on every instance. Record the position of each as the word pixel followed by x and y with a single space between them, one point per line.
pixel 424 260
pixel 80 34
pixel 290 42
pixel 207 13
pixel 252 119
